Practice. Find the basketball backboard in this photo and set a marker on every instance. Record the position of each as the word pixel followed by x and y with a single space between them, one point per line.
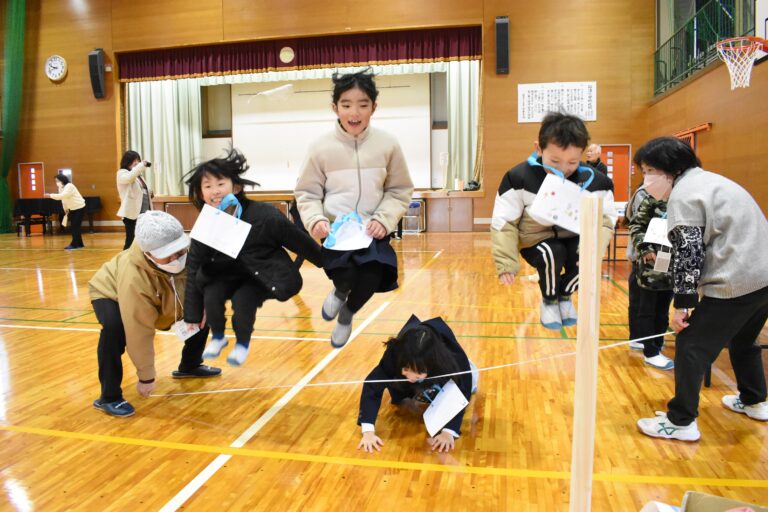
pixel 761 26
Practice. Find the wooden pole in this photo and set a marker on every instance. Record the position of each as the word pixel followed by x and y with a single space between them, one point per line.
pixel 587 333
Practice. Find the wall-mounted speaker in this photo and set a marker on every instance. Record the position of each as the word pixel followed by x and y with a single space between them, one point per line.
pixel 96 67
pixel 502 45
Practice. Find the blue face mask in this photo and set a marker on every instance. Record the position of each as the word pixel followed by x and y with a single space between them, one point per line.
pixel 533 161
pixel 231 200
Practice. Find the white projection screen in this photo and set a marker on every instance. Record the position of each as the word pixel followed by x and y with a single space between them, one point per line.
pixel 274 132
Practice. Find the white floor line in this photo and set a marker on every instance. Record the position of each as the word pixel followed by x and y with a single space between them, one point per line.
pixel 161 333
pixel 192 487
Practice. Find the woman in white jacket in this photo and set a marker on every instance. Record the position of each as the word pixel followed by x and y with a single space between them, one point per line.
pixel 74 209
pixel 135 196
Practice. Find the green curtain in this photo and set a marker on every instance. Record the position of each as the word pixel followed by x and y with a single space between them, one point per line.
pixel 12 85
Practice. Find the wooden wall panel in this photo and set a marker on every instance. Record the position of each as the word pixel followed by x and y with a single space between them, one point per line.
pixel 393 14
pixel 736 144
pixel 553 40
pixel 247 19
pixel 62 124
pixel 144 24
pixel 558 41
pixel 258 19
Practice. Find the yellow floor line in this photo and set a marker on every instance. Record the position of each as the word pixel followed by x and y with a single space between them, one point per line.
pixel 386 464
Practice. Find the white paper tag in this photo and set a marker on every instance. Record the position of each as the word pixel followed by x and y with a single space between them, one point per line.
pixel 662 261
pixel 557 202
pixel 657 232
pixel 447 404
pixel 184 331
pixel 221 231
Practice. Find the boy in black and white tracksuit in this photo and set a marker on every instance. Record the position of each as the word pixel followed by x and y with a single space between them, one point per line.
pixel 552 250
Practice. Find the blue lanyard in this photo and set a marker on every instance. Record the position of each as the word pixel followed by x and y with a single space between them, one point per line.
pixel 534 162
pixel 436 387
pixel 230 200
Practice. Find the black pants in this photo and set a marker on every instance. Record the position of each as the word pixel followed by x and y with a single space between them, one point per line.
pixel 112 346
pixel 293 209
pixel 649 314
pixel 550 257
pixel 130 230
pixel 75 218
pixel 247 296
pixel 359 281
pixel 634 304
pixel 714 324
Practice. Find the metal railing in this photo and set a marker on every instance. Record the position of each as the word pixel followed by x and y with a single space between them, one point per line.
pixel 692 47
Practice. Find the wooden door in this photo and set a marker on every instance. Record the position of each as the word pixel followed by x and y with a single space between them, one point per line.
pixel 617 158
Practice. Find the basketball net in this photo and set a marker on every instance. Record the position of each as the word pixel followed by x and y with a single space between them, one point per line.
pixel 739 54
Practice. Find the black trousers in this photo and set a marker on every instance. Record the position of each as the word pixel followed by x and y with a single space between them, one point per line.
pixel 246 294
pixel 75 218
pixel 649 314
pixel 130 230
pixel 634 304
pixel 714 324
pixel 556 260
pixel 359 281
pixel 112 345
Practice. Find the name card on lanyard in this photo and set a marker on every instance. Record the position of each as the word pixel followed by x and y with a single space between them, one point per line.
pixel 447 404
pixel 221 231
pixel 557 202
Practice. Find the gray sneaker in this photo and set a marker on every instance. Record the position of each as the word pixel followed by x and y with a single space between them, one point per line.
pixel 550 316
pixel 567 312
pixel 343 329
pixel 331 305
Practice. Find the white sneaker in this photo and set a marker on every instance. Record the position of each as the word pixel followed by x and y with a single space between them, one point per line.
pixel 238 354
pixel 550 316
pixel 660 361
pixel 756 411
pixel 214 347
pixel 661 427
pixel 331 306
pixel 567 312
pixel 636 345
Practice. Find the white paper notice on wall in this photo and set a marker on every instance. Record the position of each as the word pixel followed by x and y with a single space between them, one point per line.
pixel 610 154
pixel 447 404
pixel 221 231
pixel 657 232
pixel 557 202
pixel 534 101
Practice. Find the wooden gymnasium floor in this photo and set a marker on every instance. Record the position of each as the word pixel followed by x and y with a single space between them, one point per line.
pixel 294 447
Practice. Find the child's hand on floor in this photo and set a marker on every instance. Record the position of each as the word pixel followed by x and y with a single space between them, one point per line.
pixel 321 229
pixel 376 229
pixel 506 278
pixel 442 442
pixel 370 441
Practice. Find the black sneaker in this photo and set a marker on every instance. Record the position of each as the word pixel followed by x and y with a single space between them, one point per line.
pixel 201 371
pixel 120 409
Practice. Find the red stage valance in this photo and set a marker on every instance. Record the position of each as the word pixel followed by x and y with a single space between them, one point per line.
pixel 432 45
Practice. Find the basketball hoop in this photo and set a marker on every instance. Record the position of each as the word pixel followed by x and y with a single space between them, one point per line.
pixel 739 54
